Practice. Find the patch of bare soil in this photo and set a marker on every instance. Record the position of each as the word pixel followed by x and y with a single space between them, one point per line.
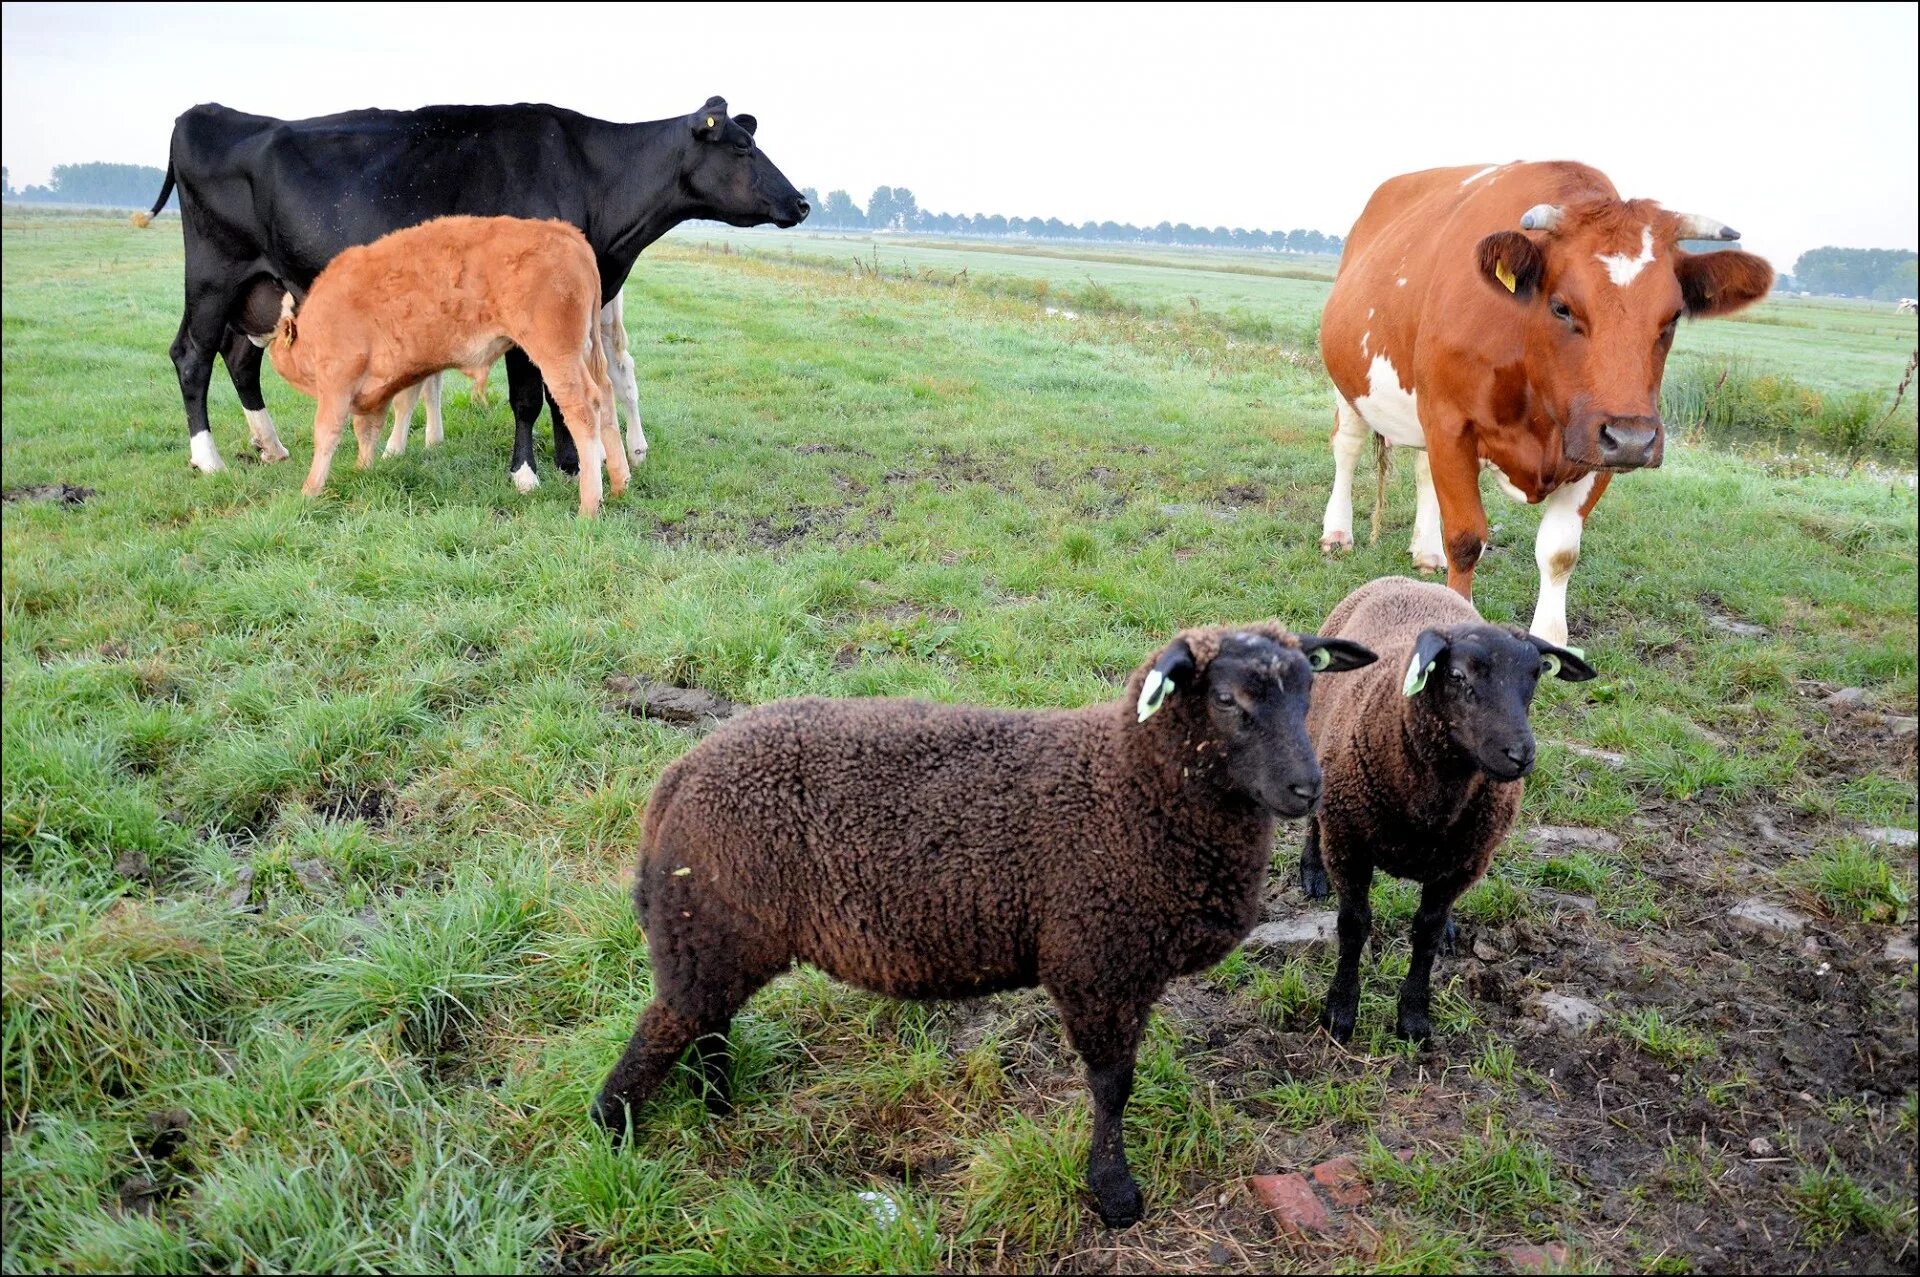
pixel 64 493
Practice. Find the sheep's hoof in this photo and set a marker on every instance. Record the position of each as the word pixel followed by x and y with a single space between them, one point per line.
pixel 1120 1207
pixel 614 1116
pixel 1338 1022
pixel 1313 881
pixel 1414 1027
pixel 1336 543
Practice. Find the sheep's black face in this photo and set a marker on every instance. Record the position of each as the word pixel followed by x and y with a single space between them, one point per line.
pixel 1480 679
pixel 1256 700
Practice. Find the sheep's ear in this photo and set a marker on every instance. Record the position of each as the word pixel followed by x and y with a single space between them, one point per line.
pixel 1427 651
pixel 1173 670
pixel 1335 656
pixel 1567 663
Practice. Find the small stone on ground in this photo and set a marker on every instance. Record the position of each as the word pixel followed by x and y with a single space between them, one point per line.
pixel 1774 922
pixel 1569 836
pixel 1846 699
pixel 1549 1258
pixel 1296 1211
pixel 1901 949
pixel 1565 1011
pixel 1307 928
pixel 1887 836
pixel 1340 1179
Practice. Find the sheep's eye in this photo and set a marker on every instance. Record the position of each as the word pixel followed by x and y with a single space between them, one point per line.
pixel 1223 699
pixel 1457 674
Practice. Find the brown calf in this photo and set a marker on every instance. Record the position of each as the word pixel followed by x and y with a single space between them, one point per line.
pixel 454 292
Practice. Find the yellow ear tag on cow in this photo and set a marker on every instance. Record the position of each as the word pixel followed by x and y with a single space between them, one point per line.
pixel 710 125
pixel 1505 276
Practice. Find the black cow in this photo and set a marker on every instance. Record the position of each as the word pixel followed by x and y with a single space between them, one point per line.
pixel 266 199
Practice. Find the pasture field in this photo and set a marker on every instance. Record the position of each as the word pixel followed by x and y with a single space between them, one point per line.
pixel 317 815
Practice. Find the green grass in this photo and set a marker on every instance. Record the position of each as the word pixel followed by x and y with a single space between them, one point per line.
pixel 316 814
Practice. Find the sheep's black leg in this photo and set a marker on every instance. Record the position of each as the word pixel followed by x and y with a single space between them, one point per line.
pixel 715 1059
pixel 1313 870
pixel 656 1045
pixel 1449 937
pixel 1429 923
pixel 1356 920
pixel 1107 1039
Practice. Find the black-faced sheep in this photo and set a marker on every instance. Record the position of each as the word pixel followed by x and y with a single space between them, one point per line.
pixel 1424 756
pixel 941 851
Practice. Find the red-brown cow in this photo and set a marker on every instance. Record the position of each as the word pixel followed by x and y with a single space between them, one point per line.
pixel 1516 316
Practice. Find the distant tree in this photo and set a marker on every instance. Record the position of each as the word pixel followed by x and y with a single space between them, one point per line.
pixel 115 185
pixel 840 211
pixel 1884 273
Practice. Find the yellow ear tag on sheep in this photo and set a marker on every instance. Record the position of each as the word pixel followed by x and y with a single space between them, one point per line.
pixel 1550 665
pixel 1416 676
pixel 1153 694
pixel 709 121
pixel 1319 659
pixel 1505 276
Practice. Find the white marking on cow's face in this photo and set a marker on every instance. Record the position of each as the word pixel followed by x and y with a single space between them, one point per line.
pixel 1555 551
pixel 1390 409
pixel 1364 337
pixel 1623 270
pixel 1482 173
pixel 525 479
pixel 1402 281
pixel 206 457
pixel 1504 483
pixel 1369 312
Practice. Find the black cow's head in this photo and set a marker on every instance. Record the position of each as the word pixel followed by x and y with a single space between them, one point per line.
pixel 730 177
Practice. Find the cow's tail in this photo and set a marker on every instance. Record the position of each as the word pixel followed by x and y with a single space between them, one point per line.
pixel 142 220
pixel 1382 468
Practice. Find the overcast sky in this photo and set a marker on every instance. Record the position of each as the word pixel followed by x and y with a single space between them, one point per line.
pixel 1796 124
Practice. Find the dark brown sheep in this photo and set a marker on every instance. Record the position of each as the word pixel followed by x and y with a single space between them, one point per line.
pixel 943 851
pixel 1424 756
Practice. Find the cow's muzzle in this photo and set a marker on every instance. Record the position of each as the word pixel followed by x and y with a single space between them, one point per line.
pixel 1630 443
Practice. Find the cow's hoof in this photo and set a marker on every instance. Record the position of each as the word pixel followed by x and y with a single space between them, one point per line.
pixel 525 479
pixel 637 456
pixel 273 450
pixel 202 455
pixel 1429 564
pixel 1336 543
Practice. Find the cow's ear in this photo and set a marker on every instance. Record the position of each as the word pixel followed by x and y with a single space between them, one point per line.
pixel 748 123
pixel 1717 283
pixel 1511 262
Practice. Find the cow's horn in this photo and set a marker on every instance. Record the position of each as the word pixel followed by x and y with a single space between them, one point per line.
pixel 1694 226
pixel 1541 217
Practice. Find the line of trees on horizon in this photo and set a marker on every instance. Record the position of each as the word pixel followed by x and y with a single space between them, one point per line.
pixel 894 208
pixel 1885 274
pixel 114 185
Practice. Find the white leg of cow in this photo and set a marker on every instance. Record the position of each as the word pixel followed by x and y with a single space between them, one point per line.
pixel 265 438
pixel 1349 443
pixel 1556 549
pixel 402 420
pixel 1429 550
pixel 436 427
pixel 202 452
pixel 626 383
